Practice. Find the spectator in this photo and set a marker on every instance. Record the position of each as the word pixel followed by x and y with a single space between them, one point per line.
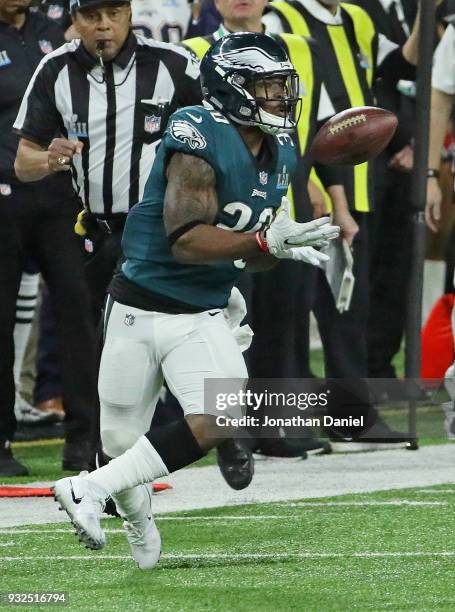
pixel 161 20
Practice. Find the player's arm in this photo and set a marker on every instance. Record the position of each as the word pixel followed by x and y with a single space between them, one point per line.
pixel 441 105
pixel 190 208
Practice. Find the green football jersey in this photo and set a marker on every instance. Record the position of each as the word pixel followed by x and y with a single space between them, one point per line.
pixel 249 194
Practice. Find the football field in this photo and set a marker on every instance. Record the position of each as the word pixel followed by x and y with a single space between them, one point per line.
pixel 371 531
pixel 392 550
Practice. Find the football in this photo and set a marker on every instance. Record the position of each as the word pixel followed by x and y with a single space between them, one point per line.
pixel 354 136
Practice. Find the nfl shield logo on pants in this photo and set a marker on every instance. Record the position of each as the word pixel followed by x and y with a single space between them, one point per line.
pixel 152 123
pixel 129 320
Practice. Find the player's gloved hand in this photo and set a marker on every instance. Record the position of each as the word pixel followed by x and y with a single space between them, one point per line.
pixel 284 233
pixel 79 226
pixel 305 254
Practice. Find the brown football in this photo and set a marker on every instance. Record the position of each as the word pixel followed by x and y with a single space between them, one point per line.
pixel 354 136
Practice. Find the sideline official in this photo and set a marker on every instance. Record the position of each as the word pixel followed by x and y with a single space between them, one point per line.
pixel 109 95
pixel 354 55
pixel 36 221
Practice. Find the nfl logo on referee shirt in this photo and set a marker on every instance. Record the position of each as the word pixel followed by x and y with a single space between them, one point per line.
pixel 45 46
pixel 129 320
pixel 152 123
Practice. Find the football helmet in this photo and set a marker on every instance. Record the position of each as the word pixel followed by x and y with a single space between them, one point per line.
pixel 244 72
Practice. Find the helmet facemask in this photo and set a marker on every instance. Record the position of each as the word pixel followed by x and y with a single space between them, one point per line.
pixel 278 89
pixel 276 100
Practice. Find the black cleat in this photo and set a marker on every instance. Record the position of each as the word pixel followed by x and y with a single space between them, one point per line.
pixel 378 437
pixel 236 463
pixel 8 464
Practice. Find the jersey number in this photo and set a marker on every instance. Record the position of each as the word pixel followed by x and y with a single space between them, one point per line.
pixel 240 216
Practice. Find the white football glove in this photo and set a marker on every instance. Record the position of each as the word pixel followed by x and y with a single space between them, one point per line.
pixel 306 254
pixel 284 233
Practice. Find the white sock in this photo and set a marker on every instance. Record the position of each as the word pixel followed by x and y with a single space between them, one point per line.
pixel 133 504
pixel 138 465
pixel 25 310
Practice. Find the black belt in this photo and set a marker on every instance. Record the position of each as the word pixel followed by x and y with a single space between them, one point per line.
pixel 108 225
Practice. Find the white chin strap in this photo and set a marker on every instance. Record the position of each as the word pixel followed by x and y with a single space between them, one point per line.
pixel 272 124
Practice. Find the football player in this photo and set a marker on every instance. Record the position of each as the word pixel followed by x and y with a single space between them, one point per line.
pixel 208 211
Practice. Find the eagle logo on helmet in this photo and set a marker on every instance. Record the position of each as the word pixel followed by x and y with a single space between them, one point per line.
pixel 253 58
pixel 187 133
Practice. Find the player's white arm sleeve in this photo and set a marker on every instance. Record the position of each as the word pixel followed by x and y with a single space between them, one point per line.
pixel 385 47
pixel 272 23
pixel 284 233
pixel 443 77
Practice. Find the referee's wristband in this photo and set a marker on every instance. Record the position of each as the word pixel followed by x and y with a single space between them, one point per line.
pixel 262 244
pixel 432 173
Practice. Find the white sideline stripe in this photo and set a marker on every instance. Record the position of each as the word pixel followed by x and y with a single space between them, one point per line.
pixel 392 502
pixel 436 491
pixel 239 556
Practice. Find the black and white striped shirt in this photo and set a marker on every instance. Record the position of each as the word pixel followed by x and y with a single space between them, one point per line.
pixel 119 115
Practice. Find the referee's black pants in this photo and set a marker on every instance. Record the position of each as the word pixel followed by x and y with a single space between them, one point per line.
pixel 35 224
pixel 279 303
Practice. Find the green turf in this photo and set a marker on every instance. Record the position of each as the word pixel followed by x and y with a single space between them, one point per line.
pixel 317 362
pixel 44 461
pixel 254 564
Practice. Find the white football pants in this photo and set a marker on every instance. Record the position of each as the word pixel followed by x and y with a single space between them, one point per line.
pixel 141 348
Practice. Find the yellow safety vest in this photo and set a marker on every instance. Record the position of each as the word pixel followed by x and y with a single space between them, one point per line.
pixel 198 45
pixel 365 33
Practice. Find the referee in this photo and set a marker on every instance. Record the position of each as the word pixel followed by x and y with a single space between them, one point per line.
pixel 36 221
pixel 107 97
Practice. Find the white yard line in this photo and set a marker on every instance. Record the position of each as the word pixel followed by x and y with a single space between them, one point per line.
pixel 239 556
pixel 394 502
pixel 253 517
pixel 275 481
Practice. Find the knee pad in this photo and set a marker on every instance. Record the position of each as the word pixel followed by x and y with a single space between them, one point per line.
pixel 117 441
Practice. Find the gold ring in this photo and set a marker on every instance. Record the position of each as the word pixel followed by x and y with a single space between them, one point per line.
pixel 61 161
